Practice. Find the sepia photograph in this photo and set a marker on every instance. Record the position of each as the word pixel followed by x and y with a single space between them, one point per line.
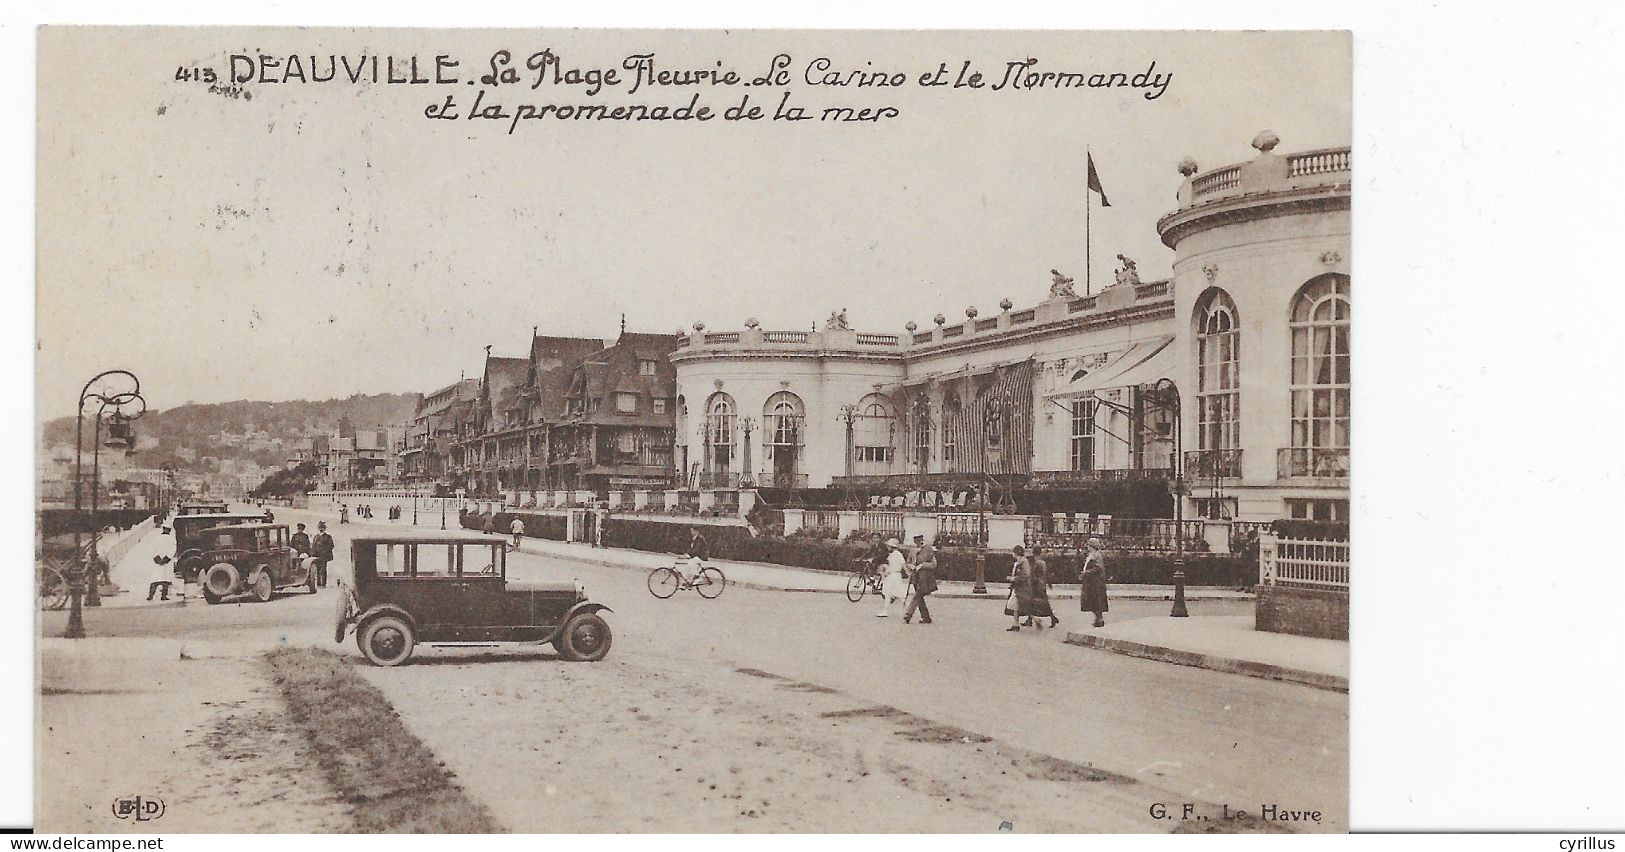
pixel 692 431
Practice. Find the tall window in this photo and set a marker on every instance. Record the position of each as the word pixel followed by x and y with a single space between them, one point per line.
pixel 720 421
pixel 646 367
pixel 950 431
pixel 1083 434
pixel 920 422
pixel 1320 365
pixel 782 415
pixel 873 435
pixel 1218 373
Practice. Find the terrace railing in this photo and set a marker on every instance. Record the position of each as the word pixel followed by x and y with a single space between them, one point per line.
pixel 1213 464
pixel 888 524
pixel 1305 564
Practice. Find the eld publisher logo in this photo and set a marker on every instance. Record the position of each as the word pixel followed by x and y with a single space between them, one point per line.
pixel 141 808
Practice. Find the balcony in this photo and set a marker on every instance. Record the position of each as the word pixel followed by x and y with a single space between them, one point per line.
pixel 772 479
pixel 1052 479
pixel 1267 185
pixel 1312 463
pixel 1213 464
pixel 713 480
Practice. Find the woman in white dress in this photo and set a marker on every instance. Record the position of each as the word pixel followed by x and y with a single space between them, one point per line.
pixel 894 584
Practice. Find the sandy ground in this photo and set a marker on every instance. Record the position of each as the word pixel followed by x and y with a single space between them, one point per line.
pixel 685 745
pixel 209 737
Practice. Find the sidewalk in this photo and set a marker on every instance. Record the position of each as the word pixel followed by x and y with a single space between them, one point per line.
pixel 1227 644
pixel 757 575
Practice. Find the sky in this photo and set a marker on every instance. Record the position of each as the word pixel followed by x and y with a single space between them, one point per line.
pixel 319 240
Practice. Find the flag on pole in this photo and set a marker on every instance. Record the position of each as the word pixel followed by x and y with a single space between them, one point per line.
pixel 1094 182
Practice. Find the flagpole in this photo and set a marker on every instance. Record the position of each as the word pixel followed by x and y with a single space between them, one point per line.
pixel 1088 261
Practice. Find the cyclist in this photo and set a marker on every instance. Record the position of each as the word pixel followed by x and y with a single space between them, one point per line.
pixel 697 552
pixel 518 530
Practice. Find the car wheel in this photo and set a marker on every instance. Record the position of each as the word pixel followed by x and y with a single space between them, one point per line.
pixel 386 641
pixel 310 576
pixel 261 586
pixel 710 583
pixel 221 580
pixel 586 639
pixel 210 597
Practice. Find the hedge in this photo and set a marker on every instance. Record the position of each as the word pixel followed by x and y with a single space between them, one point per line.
pixel 1302 528
pixel 954 563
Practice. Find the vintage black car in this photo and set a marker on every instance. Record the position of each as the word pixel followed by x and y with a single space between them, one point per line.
pixel 454 591
pixel 252 558
pixel 201 507
pixel 190 539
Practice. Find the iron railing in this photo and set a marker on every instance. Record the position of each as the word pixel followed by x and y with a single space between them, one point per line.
pixel 1120 534
pixel 1043 479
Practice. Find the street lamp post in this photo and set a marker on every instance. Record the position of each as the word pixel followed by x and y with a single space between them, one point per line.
pixel 84 564
pixel 1169 395
pixel 747 479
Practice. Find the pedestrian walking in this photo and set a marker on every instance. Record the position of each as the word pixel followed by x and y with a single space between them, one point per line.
pixel 1020 602
pixel 161 578
pixel 344 513
pixel 518 530
pixel 894 579
pixel 322 548
pixel 1093 591
pixel 1039 583
pixel 600 517
pixel 922 581
pixel 488 526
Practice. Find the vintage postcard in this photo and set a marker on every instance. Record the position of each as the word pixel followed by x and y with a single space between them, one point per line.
pixel 692 431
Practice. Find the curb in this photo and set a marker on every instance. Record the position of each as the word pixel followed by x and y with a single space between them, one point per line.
pixel 1318 680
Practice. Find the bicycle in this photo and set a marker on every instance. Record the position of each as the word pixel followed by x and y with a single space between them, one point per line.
pixel 864 580
pixel 668 580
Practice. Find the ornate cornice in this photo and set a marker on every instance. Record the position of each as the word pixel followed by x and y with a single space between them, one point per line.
pixel 1288 202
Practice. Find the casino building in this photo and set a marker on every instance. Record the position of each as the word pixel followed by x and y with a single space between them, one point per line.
pixel 1231 376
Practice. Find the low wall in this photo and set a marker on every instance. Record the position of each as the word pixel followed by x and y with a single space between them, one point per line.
pixel 1304 612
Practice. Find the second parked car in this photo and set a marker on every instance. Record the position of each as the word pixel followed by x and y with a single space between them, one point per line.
pixel 253 559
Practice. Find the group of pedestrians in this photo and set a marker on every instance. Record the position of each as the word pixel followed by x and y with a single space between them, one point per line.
pixel 907 577
pixel 1029 604
pixel 319 548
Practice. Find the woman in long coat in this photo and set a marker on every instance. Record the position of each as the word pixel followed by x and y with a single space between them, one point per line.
pixel 1020 603
pixel 1039 581
pixel 1093 598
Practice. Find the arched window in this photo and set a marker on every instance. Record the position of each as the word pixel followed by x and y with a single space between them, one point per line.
pixel 951 413
pixel 919 423
pixel 1218 372
pixel 873 435
pixel 721 421
pixel 783 417
pixel 1320 377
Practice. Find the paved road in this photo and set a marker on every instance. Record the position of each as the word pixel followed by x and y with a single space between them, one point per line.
pixel 1206 736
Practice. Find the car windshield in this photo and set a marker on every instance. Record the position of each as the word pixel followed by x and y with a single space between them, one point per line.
pixel 428 560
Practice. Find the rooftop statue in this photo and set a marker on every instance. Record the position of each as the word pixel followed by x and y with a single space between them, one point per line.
pixel 1062 287
pixel 1128 274
pixel 837 320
